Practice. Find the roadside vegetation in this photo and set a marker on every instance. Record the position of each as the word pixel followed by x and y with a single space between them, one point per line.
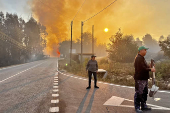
pixel 120 73
pixel 119 62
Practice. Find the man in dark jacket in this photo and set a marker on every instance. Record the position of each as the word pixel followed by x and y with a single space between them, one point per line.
pixel 92 68
pixel 141 80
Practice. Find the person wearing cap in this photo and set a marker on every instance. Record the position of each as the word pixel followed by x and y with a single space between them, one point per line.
pixel 92 68
pixel 141 80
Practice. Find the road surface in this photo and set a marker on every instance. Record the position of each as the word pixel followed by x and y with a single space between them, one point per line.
pixel 37 87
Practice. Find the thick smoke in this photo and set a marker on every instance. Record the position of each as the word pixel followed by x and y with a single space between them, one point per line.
pixel 136 17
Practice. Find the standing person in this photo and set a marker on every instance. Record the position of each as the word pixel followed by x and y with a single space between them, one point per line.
pixel 92 68
pixel 141 80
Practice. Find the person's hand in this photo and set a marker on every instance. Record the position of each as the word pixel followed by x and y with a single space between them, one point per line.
pixel 96 71
pixel 153 69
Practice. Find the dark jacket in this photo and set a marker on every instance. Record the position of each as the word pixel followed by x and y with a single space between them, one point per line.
pixel 92 66
pixel 141 68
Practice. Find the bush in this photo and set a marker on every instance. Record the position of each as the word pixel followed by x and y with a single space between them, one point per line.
pixel 104 61
pixel 163 70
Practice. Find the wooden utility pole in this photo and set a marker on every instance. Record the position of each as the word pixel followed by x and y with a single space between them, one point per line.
pixel 71 43
pixel 93 39
pixel 81 42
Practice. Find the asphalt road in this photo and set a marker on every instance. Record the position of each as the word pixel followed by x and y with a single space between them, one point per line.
pixel 28 88
pixel 74 98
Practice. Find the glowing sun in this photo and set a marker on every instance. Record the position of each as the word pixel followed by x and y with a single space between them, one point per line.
pixel 106 30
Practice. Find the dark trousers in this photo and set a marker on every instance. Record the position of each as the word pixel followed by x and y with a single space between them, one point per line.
pixel 95 78
pixel 141 92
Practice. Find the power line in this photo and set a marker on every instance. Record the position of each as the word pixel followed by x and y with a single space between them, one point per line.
pixel 100 11
pixel 79 10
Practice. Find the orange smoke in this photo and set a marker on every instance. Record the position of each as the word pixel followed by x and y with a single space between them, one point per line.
pixel 136 17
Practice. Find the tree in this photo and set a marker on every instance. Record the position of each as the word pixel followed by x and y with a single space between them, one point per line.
pixel 30 34
pixel 165 46
pixel 151 43
pixel 161 38
pixel 137 39
pixel 35 36
pixel 122 48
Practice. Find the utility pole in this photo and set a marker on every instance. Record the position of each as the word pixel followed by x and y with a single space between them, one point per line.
pixel 81 41
pixel 71 43
pixel 93 39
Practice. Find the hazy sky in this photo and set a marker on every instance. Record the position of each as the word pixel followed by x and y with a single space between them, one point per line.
pixel 136 17
pixel 16 6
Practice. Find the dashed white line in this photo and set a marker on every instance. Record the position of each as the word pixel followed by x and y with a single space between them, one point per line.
pixel 55 95
pixel 55 86
pixel 100 82
pixel 55 83
pixel 55 101
pixel 19 73
pixel 54 109
pixel 105 83
pixel 55 90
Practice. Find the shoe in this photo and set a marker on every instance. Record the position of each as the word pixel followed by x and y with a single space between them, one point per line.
pixel 88 87
pixel 146 108
pixel 138 111
pixel 96 87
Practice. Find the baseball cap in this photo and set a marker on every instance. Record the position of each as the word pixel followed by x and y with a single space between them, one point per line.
pixel 142 47
pixel 93 56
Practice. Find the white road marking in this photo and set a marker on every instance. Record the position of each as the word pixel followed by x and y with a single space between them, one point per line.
pixel 157 99
pixel 17 65
pixel 55 86
pixel 55 83
pixel 19 73
pixel 124 86
pixel 105 83
pixel 116 101
pixel 75 77
pixel 80 78
pixel 56 90
pixel 54 109
pixel 55 95
pixel 55 101
pixel 100 82
pixel 55 77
